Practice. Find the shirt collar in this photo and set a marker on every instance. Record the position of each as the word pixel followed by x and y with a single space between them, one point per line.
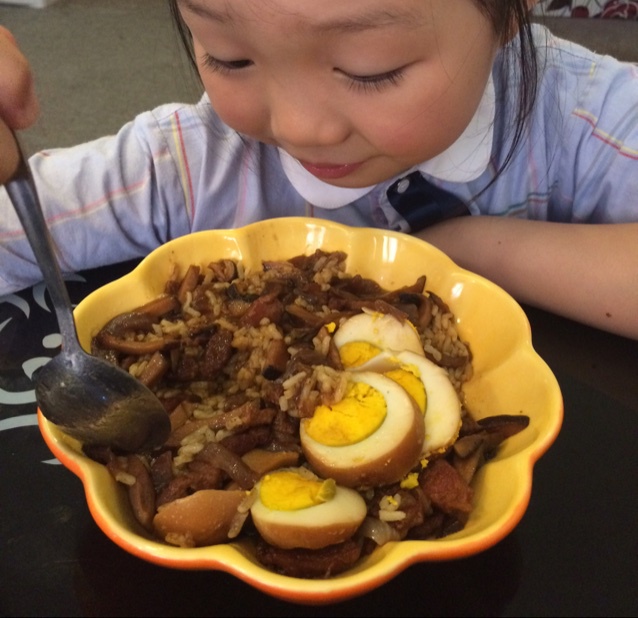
pixel 466 159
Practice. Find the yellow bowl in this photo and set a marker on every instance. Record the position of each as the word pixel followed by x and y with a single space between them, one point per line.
pixel 509 378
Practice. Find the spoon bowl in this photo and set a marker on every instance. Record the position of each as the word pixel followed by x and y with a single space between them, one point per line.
pixel 100 404
pixel 85 396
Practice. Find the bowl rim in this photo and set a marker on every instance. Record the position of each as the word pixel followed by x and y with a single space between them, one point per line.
pixel 355 582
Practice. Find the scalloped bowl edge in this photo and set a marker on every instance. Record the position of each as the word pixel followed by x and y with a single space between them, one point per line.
pixel 503 354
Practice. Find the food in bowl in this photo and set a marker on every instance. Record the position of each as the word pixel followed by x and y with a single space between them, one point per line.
pixel 507 375
pixel 328 408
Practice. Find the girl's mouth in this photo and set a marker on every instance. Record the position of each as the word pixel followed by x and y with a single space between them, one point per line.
pixel 330 171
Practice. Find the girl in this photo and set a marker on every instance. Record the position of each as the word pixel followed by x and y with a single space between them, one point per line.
pixel 402 114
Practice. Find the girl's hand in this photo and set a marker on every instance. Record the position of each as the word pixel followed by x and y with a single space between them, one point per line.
pixel 19 106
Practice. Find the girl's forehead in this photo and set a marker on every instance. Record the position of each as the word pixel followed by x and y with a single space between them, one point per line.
pixel 327 15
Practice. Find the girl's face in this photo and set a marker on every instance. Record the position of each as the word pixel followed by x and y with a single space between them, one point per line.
pixel 357 91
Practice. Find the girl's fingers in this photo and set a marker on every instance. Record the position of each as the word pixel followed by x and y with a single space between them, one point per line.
pixel 19 106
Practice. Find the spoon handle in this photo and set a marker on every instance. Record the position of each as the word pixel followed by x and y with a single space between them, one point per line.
pixel 23 194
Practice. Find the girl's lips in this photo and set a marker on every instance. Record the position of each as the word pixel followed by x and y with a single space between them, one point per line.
pixel 330 170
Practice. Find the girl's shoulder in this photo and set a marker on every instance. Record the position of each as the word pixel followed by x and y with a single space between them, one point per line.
pixel 573 73
pixel 578 156
pixel 184 117
pixel 190 133
pixel 580 94
pixel 194 129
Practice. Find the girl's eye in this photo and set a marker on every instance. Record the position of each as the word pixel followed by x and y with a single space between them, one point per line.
pixel 224 66
pixel 375 83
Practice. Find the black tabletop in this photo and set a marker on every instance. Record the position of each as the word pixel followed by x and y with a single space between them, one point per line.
pixel 575 552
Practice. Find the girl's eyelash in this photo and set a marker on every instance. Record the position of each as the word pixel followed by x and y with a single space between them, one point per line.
pixel 361 83
pixel 224 66
pixel 375 83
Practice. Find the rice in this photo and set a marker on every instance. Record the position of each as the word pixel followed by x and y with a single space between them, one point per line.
pixel 215 304
pixel 219 355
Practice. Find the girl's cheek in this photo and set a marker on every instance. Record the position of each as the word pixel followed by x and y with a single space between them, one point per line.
pixel 244 114
pixel 423 126
pixel 421 139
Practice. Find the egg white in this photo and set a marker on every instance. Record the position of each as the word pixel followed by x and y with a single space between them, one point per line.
pixel 313 527
pixel 384 331
pixel 386 455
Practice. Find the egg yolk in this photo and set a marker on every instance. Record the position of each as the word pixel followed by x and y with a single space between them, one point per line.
pixel 290 491
pixel 358 415
pixel 410 481
pixel 355 353
pixel 407 376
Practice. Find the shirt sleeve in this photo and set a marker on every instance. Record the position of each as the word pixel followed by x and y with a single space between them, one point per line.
pixel 106 201
pixel 597 177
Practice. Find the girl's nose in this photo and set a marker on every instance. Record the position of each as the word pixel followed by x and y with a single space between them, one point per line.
pixel 303 119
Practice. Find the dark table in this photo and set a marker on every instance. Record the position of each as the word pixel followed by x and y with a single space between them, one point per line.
pixel 575 552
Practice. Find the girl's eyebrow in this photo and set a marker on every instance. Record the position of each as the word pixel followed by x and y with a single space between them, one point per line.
pixel 372 20
pixel 204 11
pixel 368 21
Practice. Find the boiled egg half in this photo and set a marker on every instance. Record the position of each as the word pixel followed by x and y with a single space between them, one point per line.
pixel 294 508
pixel 372 341
pixel 366 334
pixel 373 436
pixel 430 387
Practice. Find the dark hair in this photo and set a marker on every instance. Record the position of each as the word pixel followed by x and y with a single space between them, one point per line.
pixel 506 16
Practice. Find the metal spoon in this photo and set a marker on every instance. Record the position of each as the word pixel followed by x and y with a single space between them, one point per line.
pixel 85 396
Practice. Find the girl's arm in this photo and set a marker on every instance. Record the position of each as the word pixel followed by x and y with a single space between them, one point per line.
pixel 586 272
